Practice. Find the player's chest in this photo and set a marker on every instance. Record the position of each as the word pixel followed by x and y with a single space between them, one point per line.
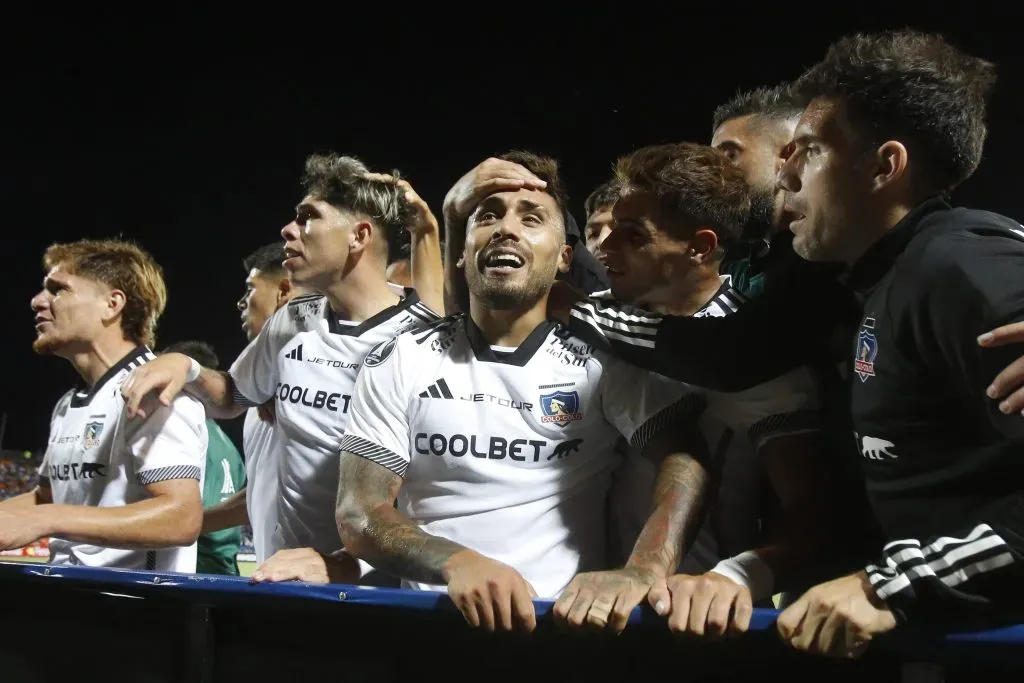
pixel 316 377
pixel 80 449
pixel 507 414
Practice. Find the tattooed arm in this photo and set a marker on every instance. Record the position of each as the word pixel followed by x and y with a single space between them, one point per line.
pixel 374 530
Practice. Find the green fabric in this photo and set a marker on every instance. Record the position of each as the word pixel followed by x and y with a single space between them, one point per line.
pixel 749 284
pixel 225 474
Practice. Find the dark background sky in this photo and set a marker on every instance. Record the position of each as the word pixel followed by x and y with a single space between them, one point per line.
pixel 188 134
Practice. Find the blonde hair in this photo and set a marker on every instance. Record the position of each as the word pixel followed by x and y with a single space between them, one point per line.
pixel 119 265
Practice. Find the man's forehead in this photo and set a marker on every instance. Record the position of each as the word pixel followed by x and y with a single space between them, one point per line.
pixel 733 130
pixel 820 118
pixel 525 198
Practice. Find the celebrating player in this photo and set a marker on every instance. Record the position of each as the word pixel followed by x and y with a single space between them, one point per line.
pixel 113 492
pixel 308 354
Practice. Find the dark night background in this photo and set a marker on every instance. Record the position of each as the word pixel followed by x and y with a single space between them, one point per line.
pixel 188 134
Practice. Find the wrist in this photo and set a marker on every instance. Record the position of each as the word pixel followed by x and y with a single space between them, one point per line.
pixel 194 368
pixel 456 560
pixel 657 570
pixel 748 569
pixel 47 520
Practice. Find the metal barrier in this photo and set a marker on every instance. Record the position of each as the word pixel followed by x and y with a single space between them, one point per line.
pixel 81 624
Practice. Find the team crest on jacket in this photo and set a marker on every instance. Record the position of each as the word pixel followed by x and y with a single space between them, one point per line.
pixel 560 407
pixel 380 353
pixel 867 349
pixel 91 437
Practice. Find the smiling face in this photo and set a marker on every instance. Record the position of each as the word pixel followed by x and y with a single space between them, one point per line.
pixel 515 247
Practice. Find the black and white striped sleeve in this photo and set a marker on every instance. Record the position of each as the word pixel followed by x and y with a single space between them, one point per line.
pixel 768 337
pixel 378 420
pixel 169 444
pixel 962 579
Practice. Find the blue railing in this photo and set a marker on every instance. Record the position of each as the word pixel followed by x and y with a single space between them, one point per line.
pixel 110 625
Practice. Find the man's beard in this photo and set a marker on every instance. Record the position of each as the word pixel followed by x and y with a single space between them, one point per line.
pixel 502 296
pixel 762 214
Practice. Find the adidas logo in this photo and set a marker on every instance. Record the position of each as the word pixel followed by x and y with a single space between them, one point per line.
pixel 438 389
pixel 295 354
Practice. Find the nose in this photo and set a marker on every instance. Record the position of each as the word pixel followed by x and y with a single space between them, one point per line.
pixel 39 302
pixel 608 244
pixel 508 227
pixel 787 178
pixel 241 302
pixel 291 231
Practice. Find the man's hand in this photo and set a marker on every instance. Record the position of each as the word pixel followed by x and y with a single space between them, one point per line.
pixel 21 526
pixel 603 599
pixel 268 411
pixel 165 374
pixel 491 176
pixel 709 605
pixel 309 566
pixel 1008 384
pixel 489 593
pixel 420 219
pixel 838 618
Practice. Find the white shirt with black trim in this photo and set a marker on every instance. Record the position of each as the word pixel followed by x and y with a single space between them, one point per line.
pixel 262 489
pixel 506 451
pixel 734 425
pixel 307 359
pixel 98 457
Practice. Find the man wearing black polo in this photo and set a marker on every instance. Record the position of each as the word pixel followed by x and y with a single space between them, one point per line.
pixel 895 122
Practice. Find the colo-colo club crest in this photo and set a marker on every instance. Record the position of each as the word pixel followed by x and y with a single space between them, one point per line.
pixel 560 407
pixel 867 349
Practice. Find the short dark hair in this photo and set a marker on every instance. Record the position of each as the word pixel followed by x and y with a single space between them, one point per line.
pixel 695 186
pixel 913 87
pixel 342 182
pixel 773 103
pixel 268 259
pixel 604 195
pixel 200 351
pixel 546 169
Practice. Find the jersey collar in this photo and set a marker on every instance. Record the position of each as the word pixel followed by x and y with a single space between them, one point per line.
pixel 83 395
pixel 521 356
pixel 880 256
pixel 408 299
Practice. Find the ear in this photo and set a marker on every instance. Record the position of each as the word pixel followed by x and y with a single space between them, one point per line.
pixel 891 166
pixel 115 303
pixel 564 258
pixel 284 290
pixel 361 237
pixel 703 246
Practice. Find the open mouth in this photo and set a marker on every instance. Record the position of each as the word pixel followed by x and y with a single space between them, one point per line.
pixel 503 261
pixel 290 256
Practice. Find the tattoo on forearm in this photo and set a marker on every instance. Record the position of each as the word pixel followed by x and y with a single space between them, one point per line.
pixel 678 510
pixel 387 539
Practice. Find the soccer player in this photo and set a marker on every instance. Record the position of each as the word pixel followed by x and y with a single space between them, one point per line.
pixel 598 207
pixel 112 492
pixel 895 122
pixel 679 207
pixel 225 474
pixel 309 352
pixel 495 432
pixel 267 289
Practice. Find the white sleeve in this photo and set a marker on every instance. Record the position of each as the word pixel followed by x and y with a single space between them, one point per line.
pixel 254 372
pixel 640 403
pixel 170 443
pixel 378 420
pixel 783 406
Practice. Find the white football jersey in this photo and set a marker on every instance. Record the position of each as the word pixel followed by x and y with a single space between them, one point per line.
pixel 98 457
pixel 308 359
pixel 262 490
pixel 734 426
pixel 506 451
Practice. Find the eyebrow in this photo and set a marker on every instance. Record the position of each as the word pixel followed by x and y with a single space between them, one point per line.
pixel 804 138
pixel 729 143
pixel 306 206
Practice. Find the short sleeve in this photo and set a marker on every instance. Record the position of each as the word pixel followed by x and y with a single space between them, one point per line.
pixel 975 283
pixel 378 423
pixel 640 403
pixel 783 406
pixel 170 443
pixel 254 372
